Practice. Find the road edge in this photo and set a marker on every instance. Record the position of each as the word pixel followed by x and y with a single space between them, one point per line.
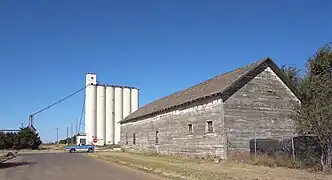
pixel 142 169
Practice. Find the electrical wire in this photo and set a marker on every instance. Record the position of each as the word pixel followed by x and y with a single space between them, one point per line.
pixel 59 101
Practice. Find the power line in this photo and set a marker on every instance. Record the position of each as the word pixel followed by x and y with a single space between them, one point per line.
pixel 53 104
pixel 59 101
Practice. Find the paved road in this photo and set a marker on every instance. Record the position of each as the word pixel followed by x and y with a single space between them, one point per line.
pixel 63 166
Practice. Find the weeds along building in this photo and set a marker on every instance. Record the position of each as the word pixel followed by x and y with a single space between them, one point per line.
pixel 105 107
pixel 218 116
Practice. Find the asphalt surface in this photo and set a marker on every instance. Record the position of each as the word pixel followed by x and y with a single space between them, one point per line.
pixel 63 166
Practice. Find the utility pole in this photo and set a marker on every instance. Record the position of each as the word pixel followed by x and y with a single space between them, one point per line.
pixel 57 135
pixel 67 135
pixel 71 134
pixel 76 127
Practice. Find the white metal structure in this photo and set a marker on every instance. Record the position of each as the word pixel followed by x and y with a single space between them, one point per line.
pixel 105 106
pixel 109 115
pixel 101 115
pixel 134 100
pixel 126 102
pixel 90 106
pixel 118 113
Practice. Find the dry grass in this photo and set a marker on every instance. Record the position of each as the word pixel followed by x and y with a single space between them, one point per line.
pixel 179 168
pixel 52 146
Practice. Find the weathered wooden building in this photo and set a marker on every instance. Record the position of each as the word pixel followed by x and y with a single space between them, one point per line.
pixel 216 116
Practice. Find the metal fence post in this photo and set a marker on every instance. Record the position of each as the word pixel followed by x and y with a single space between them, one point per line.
pixel 293 148
pixel 255 144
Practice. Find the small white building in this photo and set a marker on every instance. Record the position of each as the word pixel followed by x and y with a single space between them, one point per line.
pixel 81 139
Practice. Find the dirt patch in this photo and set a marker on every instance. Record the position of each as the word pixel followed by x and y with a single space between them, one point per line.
pixel 185 169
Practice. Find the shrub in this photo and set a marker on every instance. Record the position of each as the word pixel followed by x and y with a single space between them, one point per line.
pixel 24 139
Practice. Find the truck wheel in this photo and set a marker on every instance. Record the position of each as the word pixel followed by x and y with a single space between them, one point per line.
pixel 72 150
pixel 90 150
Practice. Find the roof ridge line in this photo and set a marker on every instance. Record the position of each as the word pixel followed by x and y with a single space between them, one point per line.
pixel 203 89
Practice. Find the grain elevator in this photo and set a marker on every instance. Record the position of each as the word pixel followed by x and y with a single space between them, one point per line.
pixel 105 106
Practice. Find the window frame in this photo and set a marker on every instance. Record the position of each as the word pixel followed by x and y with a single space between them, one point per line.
pixel 190 129
pixel 157 138
pixel 134 138
pixel 208 130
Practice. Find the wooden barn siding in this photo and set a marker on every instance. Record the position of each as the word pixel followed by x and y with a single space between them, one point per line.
pixel 255 108
pixel 174 137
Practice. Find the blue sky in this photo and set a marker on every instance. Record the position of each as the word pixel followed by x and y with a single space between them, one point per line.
pixel 46 47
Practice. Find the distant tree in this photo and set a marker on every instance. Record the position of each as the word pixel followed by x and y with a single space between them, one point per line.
pixel 314 114
pixel 63 141
pixel 24 139
pixel 2 140
pixel 11 140
pixel 28 139
pixel 70 140
pixel 293 73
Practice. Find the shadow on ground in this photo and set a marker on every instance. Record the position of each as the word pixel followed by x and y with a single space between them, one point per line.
pixel 14 164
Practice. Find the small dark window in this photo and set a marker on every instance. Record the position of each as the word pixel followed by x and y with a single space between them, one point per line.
pixel 134 138
pixel 91 77
pixel 272 92
pixel 127 138
pixel 157 137
pixel 209 126
pixel 190 128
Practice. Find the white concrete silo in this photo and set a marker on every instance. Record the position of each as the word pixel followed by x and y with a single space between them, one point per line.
pixel 134 99
pixel 118 112
pixel 101 114
pixel 126 102
pixel 90 106
pixel 109 115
